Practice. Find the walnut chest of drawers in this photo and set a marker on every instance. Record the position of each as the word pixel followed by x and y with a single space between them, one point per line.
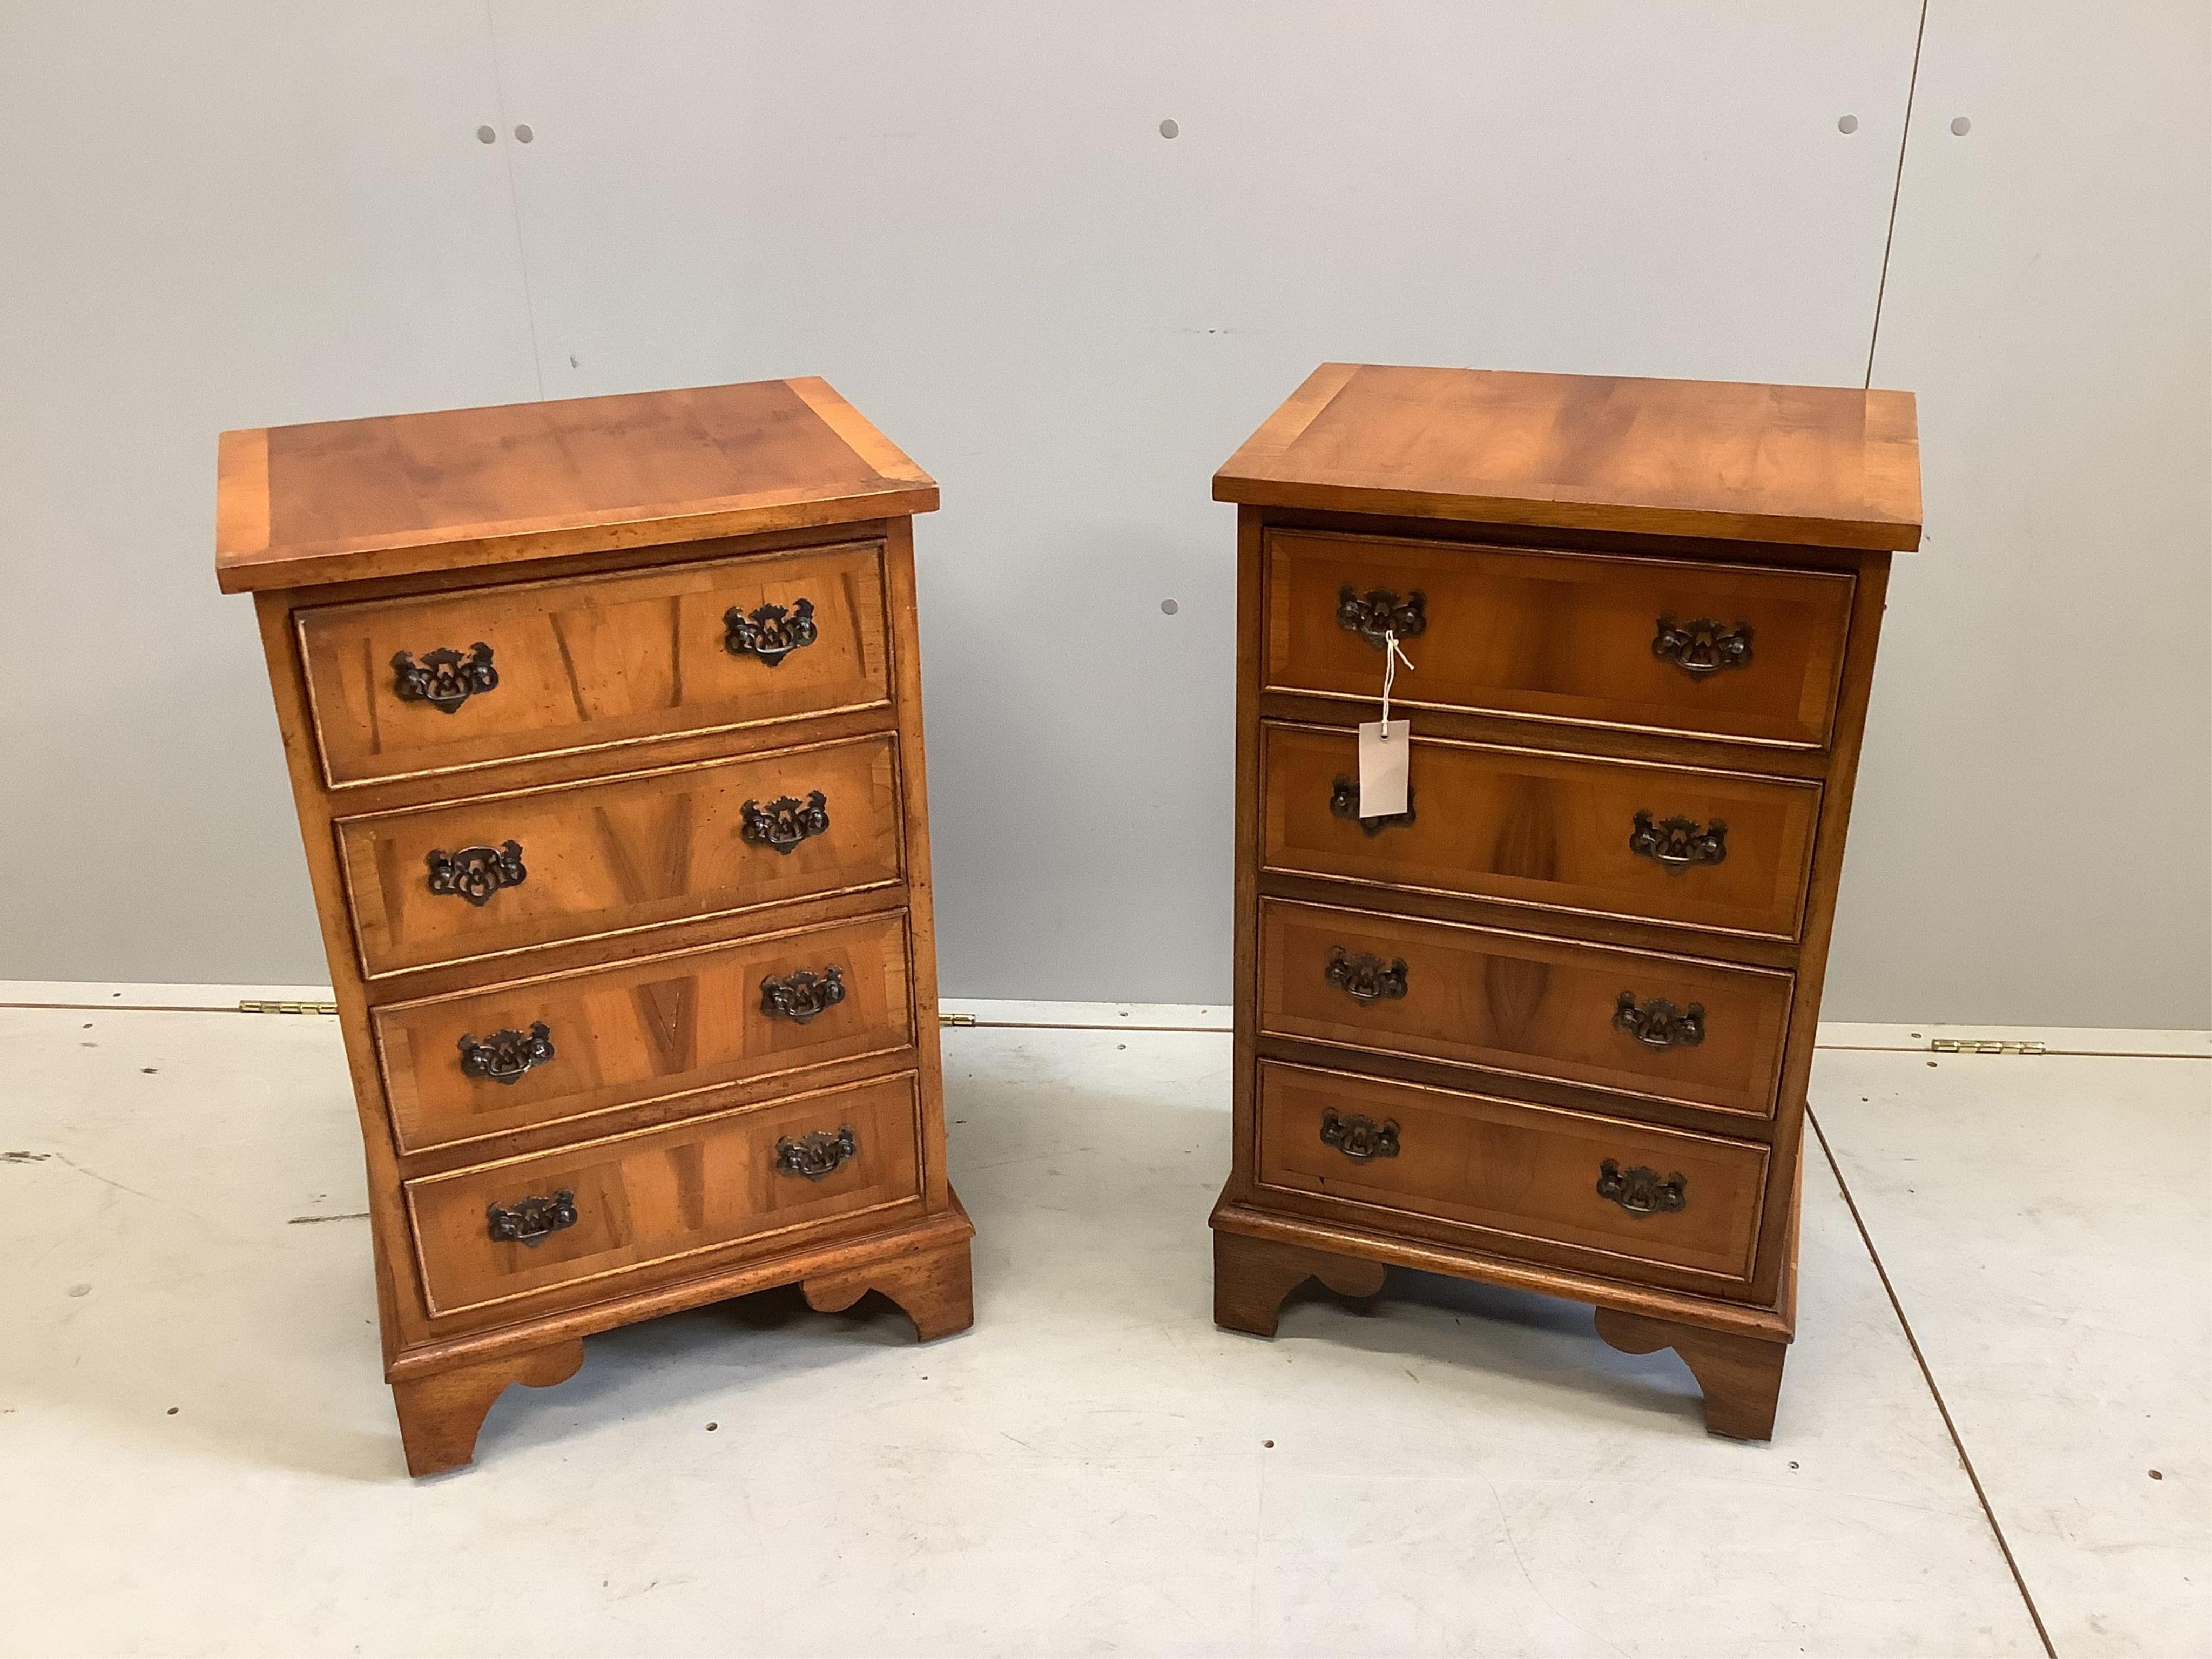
pixel 1550 1026
pixel 604 729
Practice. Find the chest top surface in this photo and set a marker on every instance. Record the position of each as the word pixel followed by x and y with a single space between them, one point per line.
pixel 339 501
pixel 1830 466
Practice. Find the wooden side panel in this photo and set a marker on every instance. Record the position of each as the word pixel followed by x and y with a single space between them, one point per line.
pixel 1516 1004
pixel 651 1198
pixel 583 664
pixel 1562 636
pixel 654 1029
pixel 1547 830
pixel 1778 1253
pixel 400 1319
pixel 1251 634
pixel 1513 1172
pixel 920 900
pixel 632 852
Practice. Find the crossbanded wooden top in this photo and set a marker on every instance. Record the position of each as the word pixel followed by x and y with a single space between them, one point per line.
pixel 1830 466
pixel 338 500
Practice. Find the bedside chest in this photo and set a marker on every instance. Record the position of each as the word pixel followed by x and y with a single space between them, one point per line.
pixel 1549 1024
pixel 603 722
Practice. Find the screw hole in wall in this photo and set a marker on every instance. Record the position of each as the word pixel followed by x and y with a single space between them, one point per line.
pixel 1168 607
pixel 1847 124
pixel 1169 128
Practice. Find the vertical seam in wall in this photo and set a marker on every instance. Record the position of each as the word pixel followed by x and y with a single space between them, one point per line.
pixel 514 199
pixel 1929 1376
pixel 1896 189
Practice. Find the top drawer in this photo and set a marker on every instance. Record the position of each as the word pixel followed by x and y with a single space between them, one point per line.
pixel 400 687
pixel 1660 645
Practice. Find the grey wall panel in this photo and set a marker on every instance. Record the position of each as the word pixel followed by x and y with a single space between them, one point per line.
pixel 2030 845
pixel 214 217
pixel 966 216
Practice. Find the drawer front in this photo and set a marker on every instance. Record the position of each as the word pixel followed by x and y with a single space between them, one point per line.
pixel 1657 644
pixel 1613 838
pixel 562 1048
pixel 500 1231
pixel 506 872
pixel 1657 1027
pixel 575 665
pixel 1672 1199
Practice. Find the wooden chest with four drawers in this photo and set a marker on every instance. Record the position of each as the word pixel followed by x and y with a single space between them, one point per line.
pixel 603 723
pixel 603 719
pixel 1550 1025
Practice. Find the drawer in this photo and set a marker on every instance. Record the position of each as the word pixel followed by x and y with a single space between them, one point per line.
pixel 1514 1173
pixel 398 687
pixel 1630 1022
pixel 506 872
pixel 1659 645
pixel 555 1049
pixel 1718 850
pixel 586 1214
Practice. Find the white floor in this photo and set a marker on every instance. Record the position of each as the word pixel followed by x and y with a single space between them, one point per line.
pixel 196 1454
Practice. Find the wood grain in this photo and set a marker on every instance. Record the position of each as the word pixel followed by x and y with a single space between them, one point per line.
pixel 656 1029
pixel 628 852
pixel 441 1414
pixel 1562 636
pixel 1522 1005
pixel 1373 1236
pixel 1822 465
pixel 694 1283
pixel 1740 1376
pixel 1540 830
pixel 921 888
pixel 1778 1250
pixel 1251 575
pixel 572 524
pixel 1252 1276
pixel 344 501
pixel 1541 517
pixel 656 1196
pixel 585 664
pixel 933 1288
pixel 855 431
pixel 1514 1172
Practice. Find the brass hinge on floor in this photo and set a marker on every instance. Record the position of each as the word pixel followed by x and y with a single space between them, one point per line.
pixel 288 1007
pixel 1982 1046
pixel 956 1019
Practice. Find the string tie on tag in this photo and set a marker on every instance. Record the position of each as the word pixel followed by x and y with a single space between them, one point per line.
pixel 1393 654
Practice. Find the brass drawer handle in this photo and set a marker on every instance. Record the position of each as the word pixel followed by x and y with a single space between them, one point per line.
pixel 770 632
pixel 474 873
pixel 1640 1191
pixel 1678 843
pixel 785 822
pixel 504 1056
pixel 1703 647
pixel 444 678
pixel 799 996
pixel 532 1220
pixel 1344 802
pixel 1659 1023
pixel 1359 1137
pixel 814 1155
pixel 1365 978
pixel 1380 611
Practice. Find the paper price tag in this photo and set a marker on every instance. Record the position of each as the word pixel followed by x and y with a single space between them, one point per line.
pixel 1385 758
